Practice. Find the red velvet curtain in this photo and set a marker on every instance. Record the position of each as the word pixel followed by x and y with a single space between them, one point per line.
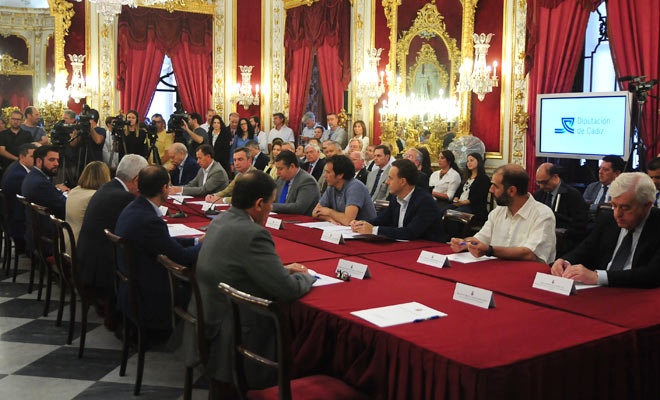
pixel 556 40
pixel 634 33
pixel 145 34
pixel 323 28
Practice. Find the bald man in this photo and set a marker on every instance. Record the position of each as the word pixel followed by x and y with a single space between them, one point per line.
pixel 182 168
pixel 571 212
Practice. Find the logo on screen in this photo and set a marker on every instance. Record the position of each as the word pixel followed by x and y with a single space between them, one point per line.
pixel 567 124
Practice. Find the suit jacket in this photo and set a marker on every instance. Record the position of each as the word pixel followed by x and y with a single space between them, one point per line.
pixel 362 175
pixel 596 251
pixel 302 196
pixel 40 190
pixel 317 172
pixel 226 192
pixel 423 181
pixel 215 181
pixel 382 189
pixel 261 161
pixel 11 186
pixel 147 232
pixel 222 147
pixel 190 168
pixel 96 255
pixel 339 136
pixel 249 263
pixel 478 196
pixel 591 191
pixel 571 213
pixel 422 219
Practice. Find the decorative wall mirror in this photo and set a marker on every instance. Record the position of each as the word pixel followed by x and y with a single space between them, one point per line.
pixel 427 77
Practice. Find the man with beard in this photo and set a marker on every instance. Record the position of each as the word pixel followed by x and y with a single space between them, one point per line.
pixel 521 228
pixel 38 188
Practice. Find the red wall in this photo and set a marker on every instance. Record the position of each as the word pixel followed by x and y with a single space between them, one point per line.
pixel 248 46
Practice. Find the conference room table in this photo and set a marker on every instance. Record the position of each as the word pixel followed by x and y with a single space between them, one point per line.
pixel 532 344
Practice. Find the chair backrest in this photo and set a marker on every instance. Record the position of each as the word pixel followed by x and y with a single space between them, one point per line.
pixel 269 309
pixel 463 218
pixel 30 228
pixel 67 261
pixel 603 207
pixel 185 274
pixel 42 217
pixel 3 211
pixel 128 277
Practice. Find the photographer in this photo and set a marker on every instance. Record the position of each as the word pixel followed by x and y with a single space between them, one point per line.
pixel 110 155
pixel 94 147
pixel 163 141
pixel 197 134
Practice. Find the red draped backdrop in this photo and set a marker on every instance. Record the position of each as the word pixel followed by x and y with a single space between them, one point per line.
pixel 556 37
pixel 323 28
pixel 145 36
pixel 634 33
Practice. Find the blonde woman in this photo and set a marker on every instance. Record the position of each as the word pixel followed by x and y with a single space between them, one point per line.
pixel 275 150
pixel 359 132
pixel 93 177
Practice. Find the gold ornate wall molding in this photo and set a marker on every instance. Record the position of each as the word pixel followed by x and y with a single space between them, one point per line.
pixel 518 126
pixel 11 66
pixel 278 92
pixel 297 3
pixel 219 24
pixel 62 11
pixel 427 55
pixel 193 6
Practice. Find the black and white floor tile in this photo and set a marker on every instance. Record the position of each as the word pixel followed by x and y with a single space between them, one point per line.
pixel 36 363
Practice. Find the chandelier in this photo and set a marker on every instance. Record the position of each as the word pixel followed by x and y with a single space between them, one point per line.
pixel 243 91
pixel 370 84
pixel 77 89
pixel 476 76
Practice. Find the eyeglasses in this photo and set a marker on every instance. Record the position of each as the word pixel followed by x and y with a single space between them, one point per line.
pixel 16 119
pixel 543 182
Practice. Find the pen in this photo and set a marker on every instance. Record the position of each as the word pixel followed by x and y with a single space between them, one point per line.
pixel 464 243
pixel 427 319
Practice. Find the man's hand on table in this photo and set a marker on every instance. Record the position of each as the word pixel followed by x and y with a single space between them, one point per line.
pixel 559 267
pixel 295 267
pixel 362 227
pixel 582 274
pixel 175 189
pixel 213 199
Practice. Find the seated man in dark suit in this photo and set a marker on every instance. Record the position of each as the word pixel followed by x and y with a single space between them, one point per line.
pixel 565 201
pixel 417 157
pixel 259 159
pixel 11 186
pixel 210 178
pixel 297 191
pixel 38 188
pixel 313 163
pixel 239 251
pixel 96 254
pixel 597 192
pixel 623 250
pixel 412 213
pixel 183 169
pixel 361 172
pixel 142 226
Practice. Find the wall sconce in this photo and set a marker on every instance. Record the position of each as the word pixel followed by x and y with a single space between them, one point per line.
pixel 243 91
pixel 476 76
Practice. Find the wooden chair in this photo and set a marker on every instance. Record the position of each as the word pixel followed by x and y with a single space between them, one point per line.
pixel 302 388
pixel 602 208
pixel 129 279
pixel 41 217
pixel 462 219
pixel 7 243
pixel 30 229
pixel 184 274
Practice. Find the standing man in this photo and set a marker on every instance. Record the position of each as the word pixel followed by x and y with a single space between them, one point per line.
pixel 623 249
pixel 210 113
pixel 653 170
pixel 164 141
pixel 198 135
pixel 110 156
pixel 31 125
pixel 182 167
pixel 335 132
pixel 313 165
pixel 12 138
pixel 309 119
pixel 279 131
pixel 521 228
pixel 297 192
pixel 92 146
pixel 596 192
pixel 377 179
pixel 210 178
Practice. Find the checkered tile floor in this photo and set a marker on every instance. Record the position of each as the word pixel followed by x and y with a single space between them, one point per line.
pixel 35 362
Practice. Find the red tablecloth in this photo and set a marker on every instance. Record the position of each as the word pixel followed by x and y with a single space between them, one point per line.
pixel 517 350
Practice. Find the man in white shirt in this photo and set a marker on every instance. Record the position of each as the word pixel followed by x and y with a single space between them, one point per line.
pixel 309 119
pixel 209 114
pixel 279 131
pixel 521 228
pixel 210 178
pixel 653 170
pixel 261 136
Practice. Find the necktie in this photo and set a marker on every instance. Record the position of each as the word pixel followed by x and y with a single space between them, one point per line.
pixel 373 189
pixel 180 174
pixel 602 198
pixel 622 253
pixel 310 168
pixel 657 195
pixel 285 191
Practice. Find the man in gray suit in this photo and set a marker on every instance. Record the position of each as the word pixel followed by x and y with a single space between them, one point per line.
pixel 210 178
pixel 377 179
pixel 297 191
pixel 336 132
pixel 240 252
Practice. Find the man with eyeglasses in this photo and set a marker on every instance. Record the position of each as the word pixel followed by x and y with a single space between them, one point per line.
pixel 12 138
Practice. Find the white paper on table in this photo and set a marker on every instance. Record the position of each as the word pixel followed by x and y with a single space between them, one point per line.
pixel 398 314
pixel 179 198
pixel 581 286
pixel 466 257
pixel 177 230
pixel 199 202
pixel 323 225
pixel 323 280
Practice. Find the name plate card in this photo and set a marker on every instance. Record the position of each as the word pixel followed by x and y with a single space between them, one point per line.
pixel 208 206
pixel 332 237
pixel 473 295
pixel 355 270
pixel 555 284
pixel 433 259
pixel 164 210
pixel 274 223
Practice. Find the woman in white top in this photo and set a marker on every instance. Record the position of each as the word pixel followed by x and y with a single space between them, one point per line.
pixel 95 174
pixel 259 135
pixel 359 132
pixel 446 180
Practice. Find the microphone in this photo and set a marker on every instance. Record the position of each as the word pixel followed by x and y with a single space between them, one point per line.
pixel 212 211
pixel 179 214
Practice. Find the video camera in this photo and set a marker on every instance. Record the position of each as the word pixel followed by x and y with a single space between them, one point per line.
pixel 150 129
pixel 175 123
pixel 61 132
